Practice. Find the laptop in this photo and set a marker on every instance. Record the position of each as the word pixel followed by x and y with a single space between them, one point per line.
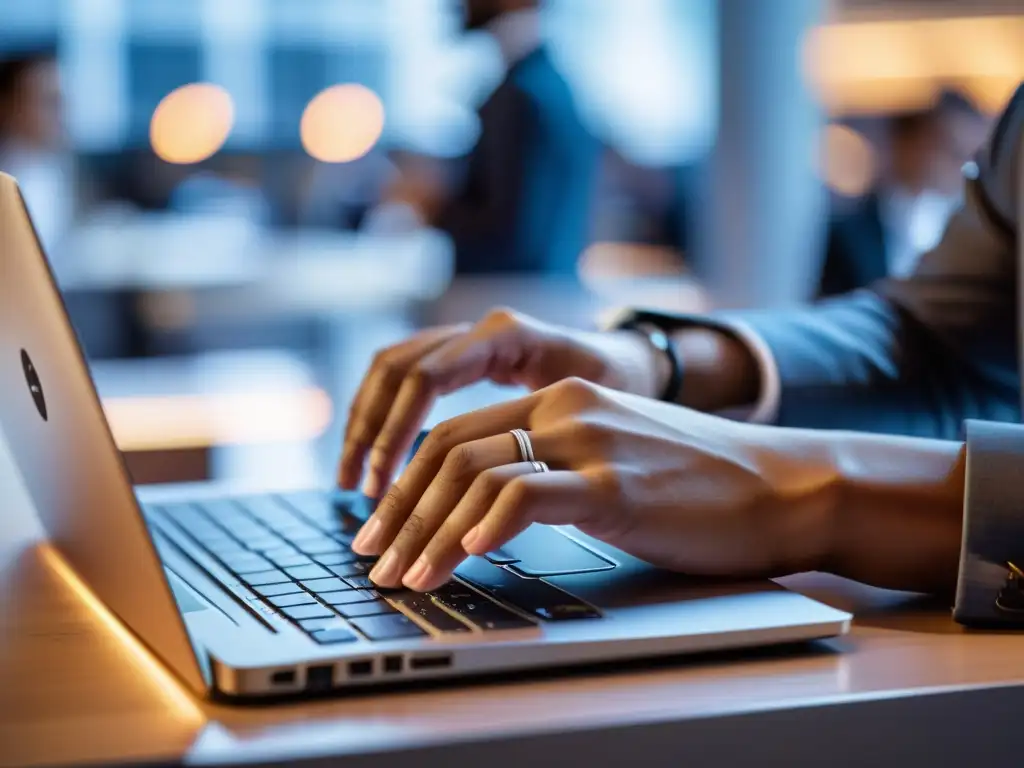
pixel 253 596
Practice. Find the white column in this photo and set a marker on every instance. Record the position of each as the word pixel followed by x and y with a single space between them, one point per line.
pixel 758 228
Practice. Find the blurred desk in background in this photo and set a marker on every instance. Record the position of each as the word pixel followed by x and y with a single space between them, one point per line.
pixel 575 303
pixel 226 415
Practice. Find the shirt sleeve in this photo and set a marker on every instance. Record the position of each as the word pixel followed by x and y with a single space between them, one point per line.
pixel 766 408
pixel 990 586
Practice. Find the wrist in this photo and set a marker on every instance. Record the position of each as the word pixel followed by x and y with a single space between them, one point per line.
pixel 896 510
pixel 721 372
pixel 803 503
pixel 637 366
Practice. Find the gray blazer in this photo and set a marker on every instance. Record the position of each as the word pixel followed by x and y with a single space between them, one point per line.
pixel 930 355
pixel 920 355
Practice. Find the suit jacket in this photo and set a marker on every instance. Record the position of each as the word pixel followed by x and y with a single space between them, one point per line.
pixel 928 355
pixel 525 202
pixel 855 251
pixel 919 355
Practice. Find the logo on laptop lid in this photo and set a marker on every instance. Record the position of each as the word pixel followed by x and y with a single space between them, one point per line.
pixel 35 387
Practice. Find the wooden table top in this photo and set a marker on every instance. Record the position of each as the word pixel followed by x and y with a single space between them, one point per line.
pixel 72 691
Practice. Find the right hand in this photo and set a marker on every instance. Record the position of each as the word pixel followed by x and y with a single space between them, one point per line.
pixel 506 348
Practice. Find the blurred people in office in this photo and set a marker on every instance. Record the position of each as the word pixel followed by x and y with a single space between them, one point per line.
pixel 521 201
pixel 918 190
pixel 32 147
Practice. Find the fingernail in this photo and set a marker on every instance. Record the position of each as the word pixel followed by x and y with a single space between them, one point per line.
pixel 470 539
pixel 372 485
pixel 365 542
pixel 416 576
pixel 385 572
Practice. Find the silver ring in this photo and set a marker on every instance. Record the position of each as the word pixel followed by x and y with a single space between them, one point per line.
pixel 539 466
pixel 525 446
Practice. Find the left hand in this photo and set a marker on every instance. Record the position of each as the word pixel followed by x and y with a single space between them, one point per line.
pixel 680 489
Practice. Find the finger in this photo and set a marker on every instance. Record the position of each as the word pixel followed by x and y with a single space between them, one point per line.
pixel 549 498
pixel 371 403
pixel 402 533
pixel 405 494
pixel 458 362
pixel 444 552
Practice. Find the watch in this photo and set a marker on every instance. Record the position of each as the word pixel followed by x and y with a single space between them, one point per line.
pixel 646 325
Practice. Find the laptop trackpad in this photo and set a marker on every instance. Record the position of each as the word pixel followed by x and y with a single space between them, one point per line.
pixel 541 551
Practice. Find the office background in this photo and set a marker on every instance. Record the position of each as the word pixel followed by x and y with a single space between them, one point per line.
pixel 224 207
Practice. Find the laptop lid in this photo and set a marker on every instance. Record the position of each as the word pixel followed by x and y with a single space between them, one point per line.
pixel 62 446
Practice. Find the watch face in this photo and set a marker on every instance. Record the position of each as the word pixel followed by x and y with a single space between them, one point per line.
pixel 1011 596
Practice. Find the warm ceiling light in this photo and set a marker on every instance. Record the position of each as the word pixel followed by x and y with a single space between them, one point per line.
pixel 848 164
pixel 900 64
pixel 191 123
pixel 342 123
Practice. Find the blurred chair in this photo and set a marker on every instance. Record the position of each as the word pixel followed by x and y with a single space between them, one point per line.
pixel 524 201
pixel 918 189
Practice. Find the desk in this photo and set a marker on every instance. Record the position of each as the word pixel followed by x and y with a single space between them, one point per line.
pixel 905 688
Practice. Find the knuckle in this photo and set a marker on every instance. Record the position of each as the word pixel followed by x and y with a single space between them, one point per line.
pixel 459 462
pixel 415 526
pixel 575 392
pixel 420 377
pixel 596 437
pixel 382 359
pixel 501 317
pixel 393 500
pixel 517 495
pixel 490 483
pixel 440 439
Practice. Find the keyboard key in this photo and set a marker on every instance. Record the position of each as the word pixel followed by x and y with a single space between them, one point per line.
pixel 242 564
pixel 542 551
pixel 431 612
pixel 273 590
pixel 263 544
pixel 322 546
pixel 350 569
pixel 334 512
pixel 479 610
pixel 337 635
pixel 529 595
pixel 266 577
pixel 391 627
pixel 500 557
pixel 348 596
pixel 336 559
pixel 307 612
pixel 288 601
pixel 370 608
pixel 315 625
pixel 221 545
pixel 290 561
pixel 324 585
pixel 304 572
pixel 282 550
pixel 360 582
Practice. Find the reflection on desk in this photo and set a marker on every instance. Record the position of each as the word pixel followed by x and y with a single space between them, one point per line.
pixel 72 692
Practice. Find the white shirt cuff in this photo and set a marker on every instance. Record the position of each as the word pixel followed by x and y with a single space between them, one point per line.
pixel 766 409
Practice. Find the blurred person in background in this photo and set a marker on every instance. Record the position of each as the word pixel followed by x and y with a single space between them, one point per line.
pixel 524 199
pixel 32 147
pixel 918 190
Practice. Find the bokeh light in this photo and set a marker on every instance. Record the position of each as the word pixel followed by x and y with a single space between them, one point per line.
pixel 191 123
pixel 342 123
pixel 848 163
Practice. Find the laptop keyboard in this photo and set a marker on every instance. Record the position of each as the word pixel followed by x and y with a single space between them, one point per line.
pixel 294 551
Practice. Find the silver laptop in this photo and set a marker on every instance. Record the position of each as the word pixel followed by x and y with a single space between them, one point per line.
pixel 256 596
